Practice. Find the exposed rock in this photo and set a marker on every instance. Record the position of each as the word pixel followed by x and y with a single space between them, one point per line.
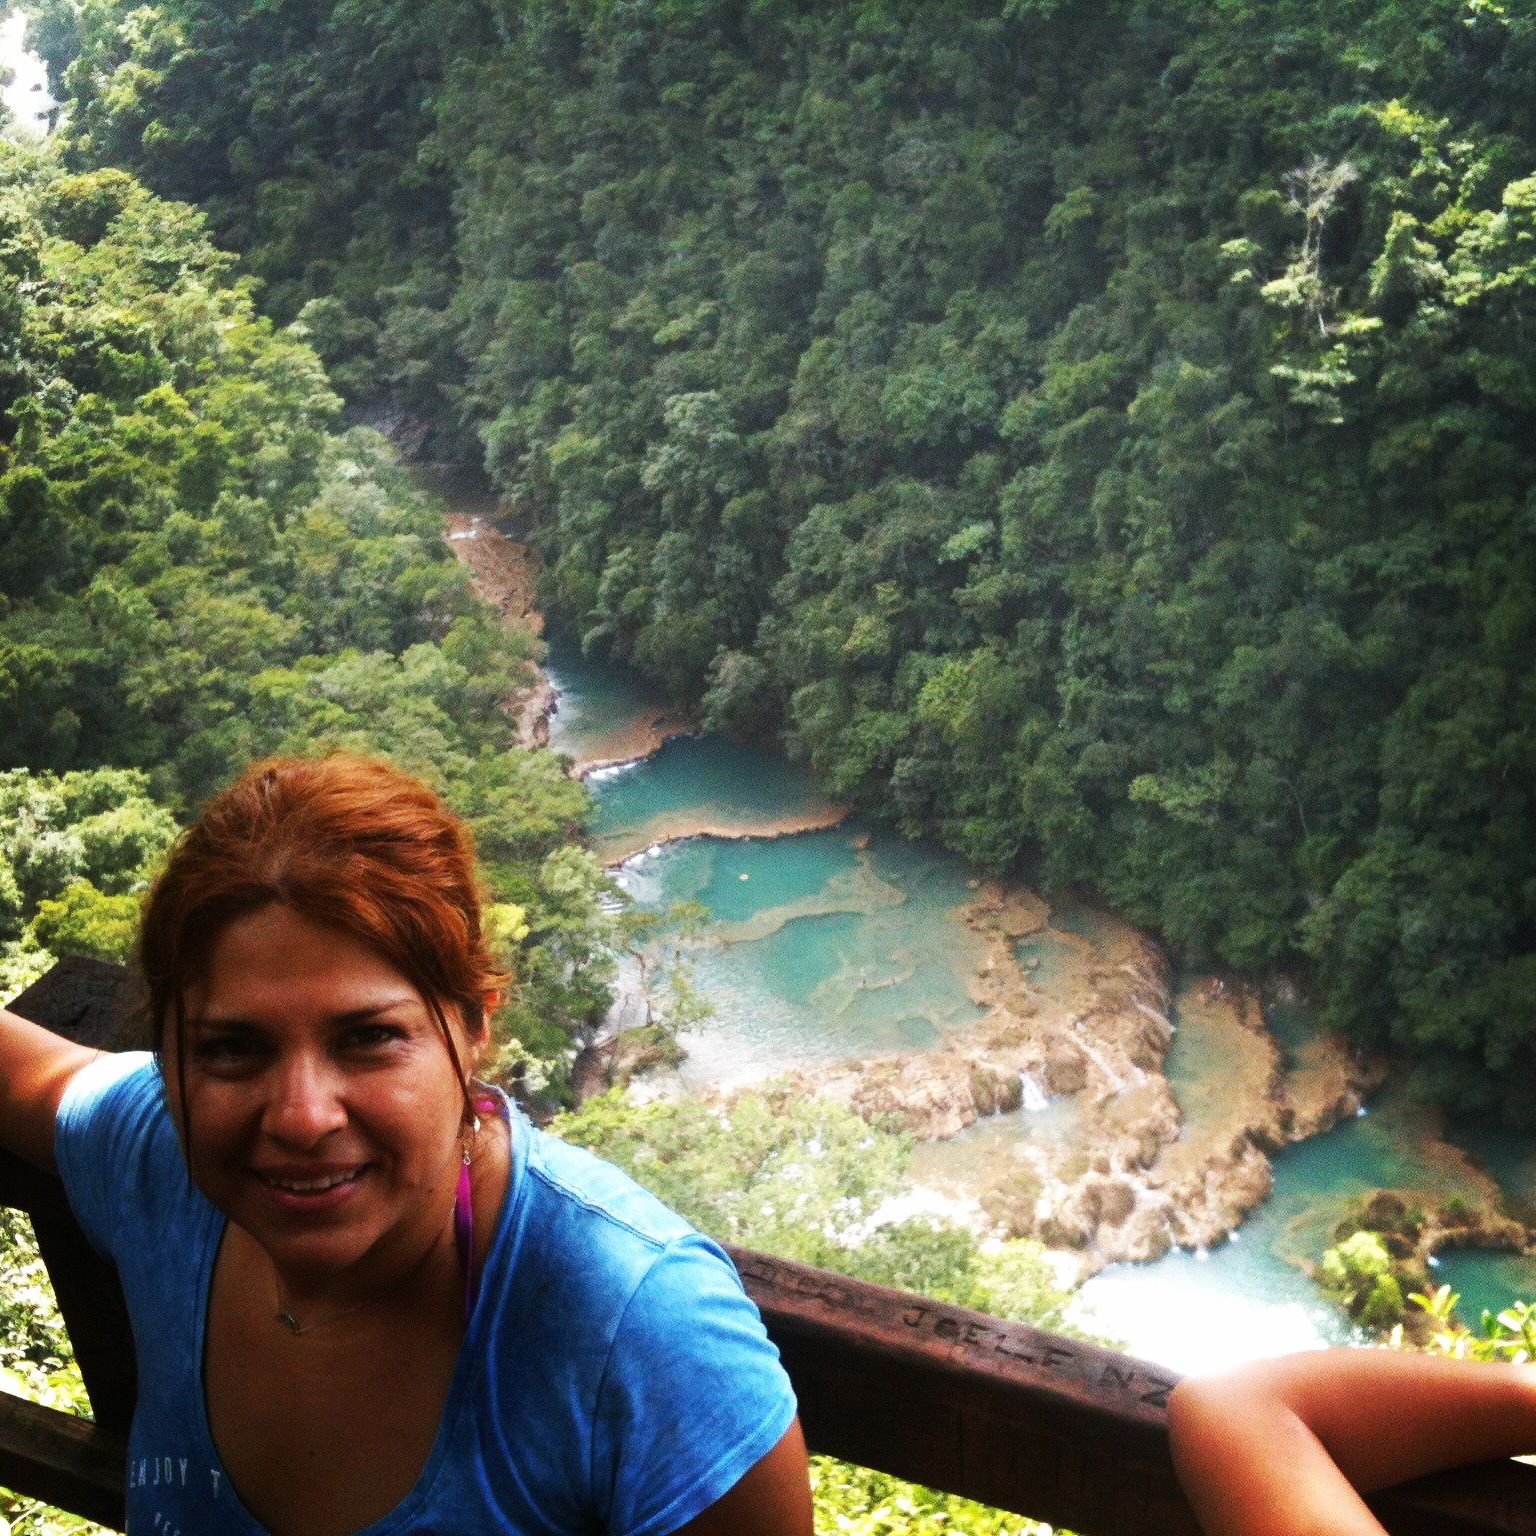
pixel 1065 1071
pixel 1064 1230
pixel 531 712
pixel 930 1093
pixel 640 1050
pixel 633 742
pixel 983 1091
pixel 1480 1229
pixel 501 571
pixel 504 574
pixel 1146 1235
pixel 1109 1201
pixel 1330 1082
pixel 816 817
pixel 1141 1177
pixel 1387 1211
pixel 589 1072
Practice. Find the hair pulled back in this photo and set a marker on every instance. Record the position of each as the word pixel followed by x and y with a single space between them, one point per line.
pixel 346 841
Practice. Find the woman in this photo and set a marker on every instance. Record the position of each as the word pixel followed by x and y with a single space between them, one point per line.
pixel 366 1294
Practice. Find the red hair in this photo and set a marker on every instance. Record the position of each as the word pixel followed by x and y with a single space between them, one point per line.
pixel 348 842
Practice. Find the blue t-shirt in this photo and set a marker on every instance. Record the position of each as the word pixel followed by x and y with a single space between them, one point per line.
pixel 628 1425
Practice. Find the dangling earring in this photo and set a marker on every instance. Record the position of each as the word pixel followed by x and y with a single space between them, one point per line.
pixel 464 1223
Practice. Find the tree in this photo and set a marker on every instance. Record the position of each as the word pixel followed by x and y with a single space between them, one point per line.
pixel 1136 497
pixel 1359 1272
pixel 85 921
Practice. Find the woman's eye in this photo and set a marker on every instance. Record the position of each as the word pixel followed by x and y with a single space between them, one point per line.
pixel 372 1036
pixel 224 1050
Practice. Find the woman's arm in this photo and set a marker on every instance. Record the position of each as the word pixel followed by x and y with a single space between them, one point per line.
pixel 773 1499
pixel 35 1068
pixel 1280 1448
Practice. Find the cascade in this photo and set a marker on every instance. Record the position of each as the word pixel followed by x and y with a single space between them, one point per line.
pixel 1035 1097
pixel 820 911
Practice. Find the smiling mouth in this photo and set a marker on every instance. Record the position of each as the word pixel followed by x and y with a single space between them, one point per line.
pixel 320 1185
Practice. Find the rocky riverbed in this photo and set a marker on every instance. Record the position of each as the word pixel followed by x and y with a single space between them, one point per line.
pixel 1085 1018
pixel 505 574
pixel 677 828
pixel 1134 1176
pixel 632 742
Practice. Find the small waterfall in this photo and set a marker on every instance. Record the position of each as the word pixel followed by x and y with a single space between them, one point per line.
pixel 1114 1080
pixel 1035 1098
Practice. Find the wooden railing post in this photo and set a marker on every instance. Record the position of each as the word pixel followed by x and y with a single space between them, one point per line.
pixel 89 1001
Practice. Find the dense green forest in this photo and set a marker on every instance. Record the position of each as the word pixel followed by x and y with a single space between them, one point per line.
pixel 1089 434
pixel 201 569
pixel 1095 434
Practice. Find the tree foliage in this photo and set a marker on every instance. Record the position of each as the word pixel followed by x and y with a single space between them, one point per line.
pixel 1506 1336
pixel 36 1362
pixel 1358 1272
pixel 1095 436
pixel 76 851
pixel 204 568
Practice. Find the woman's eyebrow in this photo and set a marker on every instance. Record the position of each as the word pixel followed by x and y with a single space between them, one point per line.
pixel 358 1015
pixel 351 1016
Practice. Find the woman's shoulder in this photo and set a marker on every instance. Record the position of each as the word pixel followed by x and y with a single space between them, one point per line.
pixel 116 1147
pixel 584 1232
pixel 624 1348
pixel 598 1211
pixel 598 1255
pixel 113 1105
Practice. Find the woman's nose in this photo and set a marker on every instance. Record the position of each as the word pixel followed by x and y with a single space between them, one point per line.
pixel 305 1102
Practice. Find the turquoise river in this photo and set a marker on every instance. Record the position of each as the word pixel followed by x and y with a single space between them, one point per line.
pixel 846 941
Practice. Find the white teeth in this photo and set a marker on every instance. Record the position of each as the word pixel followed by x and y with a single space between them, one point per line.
pixel 310 1186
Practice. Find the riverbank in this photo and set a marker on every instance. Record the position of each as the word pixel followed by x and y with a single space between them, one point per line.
pixel 1086 1019
pixel 1094 1105
pixel 633 742
pixel 505 574
pixel 683 826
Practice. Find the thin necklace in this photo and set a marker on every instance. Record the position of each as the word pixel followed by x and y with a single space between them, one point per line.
pixel 286 1318
pixel 298 1329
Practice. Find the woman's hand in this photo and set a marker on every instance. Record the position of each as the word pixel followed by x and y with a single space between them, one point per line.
pixel 35 1068
pixel 1286 1447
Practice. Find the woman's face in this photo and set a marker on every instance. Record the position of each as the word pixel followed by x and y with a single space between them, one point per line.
pixel 325 1114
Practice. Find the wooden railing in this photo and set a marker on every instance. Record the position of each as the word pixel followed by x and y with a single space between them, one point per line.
pixel 1020 1419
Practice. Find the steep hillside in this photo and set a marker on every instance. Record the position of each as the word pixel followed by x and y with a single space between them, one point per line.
pixel 1097 435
